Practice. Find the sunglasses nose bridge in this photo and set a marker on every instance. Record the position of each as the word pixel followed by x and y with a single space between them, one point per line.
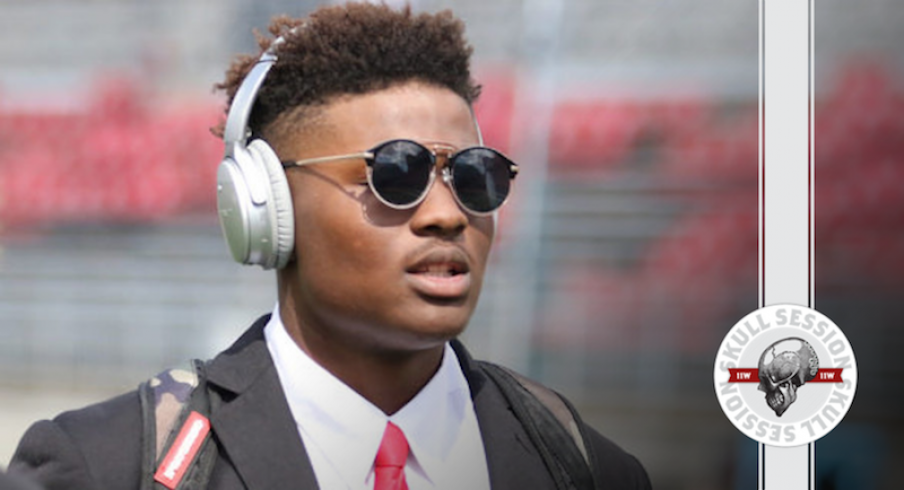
pixel 445 173
pixel 442 162
pixel 442 153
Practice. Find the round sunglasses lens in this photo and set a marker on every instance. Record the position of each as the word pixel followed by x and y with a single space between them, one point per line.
pixel 481 178
pixel 401 171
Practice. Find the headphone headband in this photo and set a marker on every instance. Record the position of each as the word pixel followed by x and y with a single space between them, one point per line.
pixel 236 130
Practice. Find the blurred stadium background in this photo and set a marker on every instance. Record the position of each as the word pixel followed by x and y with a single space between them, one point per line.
pixel 629 249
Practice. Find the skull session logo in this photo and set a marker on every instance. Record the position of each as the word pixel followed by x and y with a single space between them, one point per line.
pixel 785 375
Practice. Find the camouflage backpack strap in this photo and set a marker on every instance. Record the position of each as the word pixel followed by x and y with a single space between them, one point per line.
pixel 178 453
pixel 553 425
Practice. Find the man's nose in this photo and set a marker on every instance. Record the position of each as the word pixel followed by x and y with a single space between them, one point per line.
pixel 439 213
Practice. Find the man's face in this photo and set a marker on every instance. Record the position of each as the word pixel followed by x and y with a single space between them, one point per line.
pixel 368 276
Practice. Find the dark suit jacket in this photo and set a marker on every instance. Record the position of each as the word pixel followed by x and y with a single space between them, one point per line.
pixel 99 447
pixel 13 482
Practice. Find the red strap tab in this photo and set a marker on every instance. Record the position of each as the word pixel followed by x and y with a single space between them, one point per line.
pixel 183 451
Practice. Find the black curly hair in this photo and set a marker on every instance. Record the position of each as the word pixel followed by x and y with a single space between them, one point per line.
pixel 354 48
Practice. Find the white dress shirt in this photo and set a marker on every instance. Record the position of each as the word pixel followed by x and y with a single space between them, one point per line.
pixel 342 431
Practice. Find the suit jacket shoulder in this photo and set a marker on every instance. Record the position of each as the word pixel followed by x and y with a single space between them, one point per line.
pixel 94 448
pixel 613 468
pixel 100 447
pixel 13 482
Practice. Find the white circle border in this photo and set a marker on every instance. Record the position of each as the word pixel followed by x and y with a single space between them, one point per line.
pixel 770 430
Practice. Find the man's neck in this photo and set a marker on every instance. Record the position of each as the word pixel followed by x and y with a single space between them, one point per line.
pixel 388 378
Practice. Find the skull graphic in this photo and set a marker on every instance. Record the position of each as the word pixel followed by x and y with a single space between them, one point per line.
pixel 783 373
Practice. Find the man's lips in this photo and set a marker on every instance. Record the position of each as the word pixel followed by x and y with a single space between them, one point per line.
pixel 441 273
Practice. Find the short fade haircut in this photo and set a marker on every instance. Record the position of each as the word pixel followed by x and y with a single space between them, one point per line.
pixel 352 49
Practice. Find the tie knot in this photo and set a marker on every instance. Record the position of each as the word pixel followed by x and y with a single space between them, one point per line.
pixel 393 448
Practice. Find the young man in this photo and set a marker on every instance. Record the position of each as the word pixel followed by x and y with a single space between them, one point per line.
pixel 355 130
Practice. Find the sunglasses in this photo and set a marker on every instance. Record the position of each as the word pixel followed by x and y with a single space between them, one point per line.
pixel 401 172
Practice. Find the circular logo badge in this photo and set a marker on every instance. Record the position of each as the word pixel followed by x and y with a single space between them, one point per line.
pixel 785 375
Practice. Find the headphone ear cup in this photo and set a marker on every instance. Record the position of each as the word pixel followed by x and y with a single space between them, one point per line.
pixel 236 207
pixel 281 215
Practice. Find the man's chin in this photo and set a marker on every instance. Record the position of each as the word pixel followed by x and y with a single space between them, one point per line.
pixel 428 335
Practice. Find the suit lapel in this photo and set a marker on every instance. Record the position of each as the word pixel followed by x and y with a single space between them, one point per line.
pixel 512 460
pixel 251 418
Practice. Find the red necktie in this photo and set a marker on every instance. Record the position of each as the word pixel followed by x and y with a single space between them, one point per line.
pixel 389 467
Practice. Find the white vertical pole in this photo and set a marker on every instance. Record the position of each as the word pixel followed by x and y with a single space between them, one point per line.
pixel 785 194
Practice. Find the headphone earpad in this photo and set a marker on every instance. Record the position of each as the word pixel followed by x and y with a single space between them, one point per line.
pixel 281 215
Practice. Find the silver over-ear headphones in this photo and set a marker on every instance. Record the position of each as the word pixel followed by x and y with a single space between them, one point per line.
pixel 253 198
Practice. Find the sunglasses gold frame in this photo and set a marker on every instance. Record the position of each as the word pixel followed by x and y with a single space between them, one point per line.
pixel 435 149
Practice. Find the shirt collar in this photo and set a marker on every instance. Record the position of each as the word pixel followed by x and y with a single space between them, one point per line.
pixel 348 428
